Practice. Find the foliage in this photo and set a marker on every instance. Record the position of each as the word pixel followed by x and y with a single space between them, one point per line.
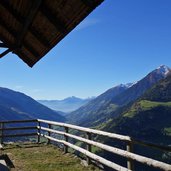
pixel 144 105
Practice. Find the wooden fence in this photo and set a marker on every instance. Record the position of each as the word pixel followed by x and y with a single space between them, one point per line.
pixel 46 129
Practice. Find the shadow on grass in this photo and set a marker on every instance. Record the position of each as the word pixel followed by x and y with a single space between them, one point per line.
pixel 8 162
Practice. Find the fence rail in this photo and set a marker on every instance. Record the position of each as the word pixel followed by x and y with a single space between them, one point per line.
pixel 45 129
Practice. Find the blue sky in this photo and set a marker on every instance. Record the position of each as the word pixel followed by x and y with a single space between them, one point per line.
pixel 120 42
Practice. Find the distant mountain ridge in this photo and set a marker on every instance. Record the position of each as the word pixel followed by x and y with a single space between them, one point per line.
pixel 148 118
pixel 66 105
pixel 106 105
pixel 141 86
pixel 15 105
pixel 92 109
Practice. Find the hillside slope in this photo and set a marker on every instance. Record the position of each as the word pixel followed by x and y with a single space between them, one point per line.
pixel 15 105
pixel 108 104
pixel 149 118
pixel 92 110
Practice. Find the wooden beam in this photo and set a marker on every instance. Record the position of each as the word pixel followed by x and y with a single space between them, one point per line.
pixel 9 46
pixel 31 50
pixel 88 3
pixel 5 53
pixel 10 9
pixel 25 58
pixel 21 20
pixel 18 128
pixel 19 121
pixel 120 152
pixel 93 131
pixel 91 4
pixel 42 39
pixel 2 45
pixel 60 26
pixel 11 31
pixel 34 8
pixel 107 134
pixel 19 135
pixel 3 38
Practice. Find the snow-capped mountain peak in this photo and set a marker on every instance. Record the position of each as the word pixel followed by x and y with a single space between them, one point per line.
pixel 164 70
pixel 127 85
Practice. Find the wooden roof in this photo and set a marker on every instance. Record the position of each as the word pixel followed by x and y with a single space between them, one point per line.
pixel 31 28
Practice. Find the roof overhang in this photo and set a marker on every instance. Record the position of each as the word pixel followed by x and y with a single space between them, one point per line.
pixel 31 28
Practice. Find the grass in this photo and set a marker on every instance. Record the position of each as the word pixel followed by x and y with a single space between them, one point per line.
pixel 167 131
pixel 34 157
pixel 144 105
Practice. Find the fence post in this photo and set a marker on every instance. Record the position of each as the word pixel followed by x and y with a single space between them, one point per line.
pixel 129 148
pixel 88 136
pixel 49 133
pixel 66 139
pixel 2 133
pixel 38 132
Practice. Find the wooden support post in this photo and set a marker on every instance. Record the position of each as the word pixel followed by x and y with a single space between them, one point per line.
pixel 130 163
pixel 88 136
pixel 5 53
pixel 66 139
pixel 2 126
pixel 49 133
pixel 2 45
pixel 38 133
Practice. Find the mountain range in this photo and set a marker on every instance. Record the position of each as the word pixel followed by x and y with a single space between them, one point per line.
pixel 15 106
pixel 148 116
pixel 108 105
pixel 147 119
pixel 141 110
pixel 66 105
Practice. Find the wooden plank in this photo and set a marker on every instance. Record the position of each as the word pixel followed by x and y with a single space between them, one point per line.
pixel 3 38
pixel 1 148
pixel 66 139
pixel 5 53
pixel 88 136
pixel 89 154
pixel 19 135
pixel 19 121
pixel 130 163
pixel 107 134
pixel 123 153
pixel 18 128
pixel 5 4
pixel 21 20
pixel 49 133
pixel 13 33
pixel 60 26
pixel 31 49
pixel 33 11
pixel 2 45
pixel 38 132
pixel 91 4
pixel 2 132
pixel 41 38
pixel 98 132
